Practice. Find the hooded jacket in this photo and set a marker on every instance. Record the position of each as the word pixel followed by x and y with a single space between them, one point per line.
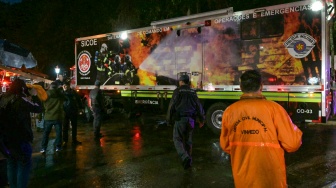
pixel 185 103
pixel 54 105
pixel 256 133
pixel 72 102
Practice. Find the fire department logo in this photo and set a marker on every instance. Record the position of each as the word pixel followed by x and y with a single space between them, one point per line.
pixel 300 45
pixel 84 62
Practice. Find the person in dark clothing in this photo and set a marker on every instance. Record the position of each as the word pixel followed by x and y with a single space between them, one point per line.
pixel 184 108
pixel 53 115
pixel 71 106
pixel 115 66
pixel 17 132
pixel 97 105
pixel 129 70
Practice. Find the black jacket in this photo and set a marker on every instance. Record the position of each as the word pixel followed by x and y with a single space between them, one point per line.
pixel 185 103
pixel 18 116
pixel 72 102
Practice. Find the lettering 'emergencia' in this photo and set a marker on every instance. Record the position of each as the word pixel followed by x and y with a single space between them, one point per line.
pixel 239 17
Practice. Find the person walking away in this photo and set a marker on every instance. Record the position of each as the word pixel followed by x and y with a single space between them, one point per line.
pixel 71 106
pixel 16 131
pixel 256 132
pixel 184 108
pixel 97 105
pixel 53 116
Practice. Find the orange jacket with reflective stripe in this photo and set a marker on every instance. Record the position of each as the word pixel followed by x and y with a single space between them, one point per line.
pixel 256 132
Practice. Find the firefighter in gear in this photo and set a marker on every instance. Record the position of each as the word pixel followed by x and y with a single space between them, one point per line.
pixel 256 133
pixel 114 67
pixel 184 108
pixel 108 61
pixel 99 62
pixel 129 69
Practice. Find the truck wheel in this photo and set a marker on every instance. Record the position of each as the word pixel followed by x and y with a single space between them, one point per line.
pixel 214 117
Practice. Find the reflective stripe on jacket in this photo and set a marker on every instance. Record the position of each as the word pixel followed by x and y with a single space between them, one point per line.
pixel 256 132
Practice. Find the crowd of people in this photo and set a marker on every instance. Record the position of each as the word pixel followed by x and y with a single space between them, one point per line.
pixel 256 138
pixel 59 105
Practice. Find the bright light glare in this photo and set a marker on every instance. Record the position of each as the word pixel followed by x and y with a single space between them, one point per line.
pixel 123 35
pixel 317 5
pixel 57 69
pixel 313 80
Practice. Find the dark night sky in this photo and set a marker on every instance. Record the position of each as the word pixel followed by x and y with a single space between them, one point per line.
pixel 11 1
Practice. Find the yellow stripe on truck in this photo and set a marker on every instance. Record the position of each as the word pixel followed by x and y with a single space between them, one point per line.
pixel 228 95
pixel 219 95
pixel 274 96
pixel 305 97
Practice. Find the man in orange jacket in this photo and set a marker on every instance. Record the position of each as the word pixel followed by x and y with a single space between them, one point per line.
pixel 256 133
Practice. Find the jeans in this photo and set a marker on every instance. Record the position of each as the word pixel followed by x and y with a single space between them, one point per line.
pixel 182 137
pixel 48 124
pixel 97 119
pixel 18 170
pixel 66 124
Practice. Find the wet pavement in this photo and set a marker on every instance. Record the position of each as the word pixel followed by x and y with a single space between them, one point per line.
pixel 140 153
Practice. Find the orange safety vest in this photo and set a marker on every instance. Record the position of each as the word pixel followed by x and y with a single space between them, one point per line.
pixel 256 133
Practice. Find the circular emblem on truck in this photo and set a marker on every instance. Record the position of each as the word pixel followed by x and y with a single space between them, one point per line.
pixel 300 45
pixel 84 62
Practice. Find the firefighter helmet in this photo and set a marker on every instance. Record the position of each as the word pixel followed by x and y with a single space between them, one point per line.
pixel 103 48
pixel 128 58
pixel 117 59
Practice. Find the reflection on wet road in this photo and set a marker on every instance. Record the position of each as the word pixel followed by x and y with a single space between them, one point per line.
pixel 140 153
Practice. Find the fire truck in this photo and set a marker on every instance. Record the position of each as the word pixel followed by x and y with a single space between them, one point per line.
pixel 288 43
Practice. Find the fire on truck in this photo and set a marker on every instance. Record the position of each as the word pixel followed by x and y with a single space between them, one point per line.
pixel 288 43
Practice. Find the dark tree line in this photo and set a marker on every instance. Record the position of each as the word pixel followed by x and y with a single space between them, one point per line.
pixel 48 28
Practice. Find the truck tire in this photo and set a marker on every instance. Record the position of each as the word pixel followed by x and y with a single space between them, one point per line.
pixel 214 117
